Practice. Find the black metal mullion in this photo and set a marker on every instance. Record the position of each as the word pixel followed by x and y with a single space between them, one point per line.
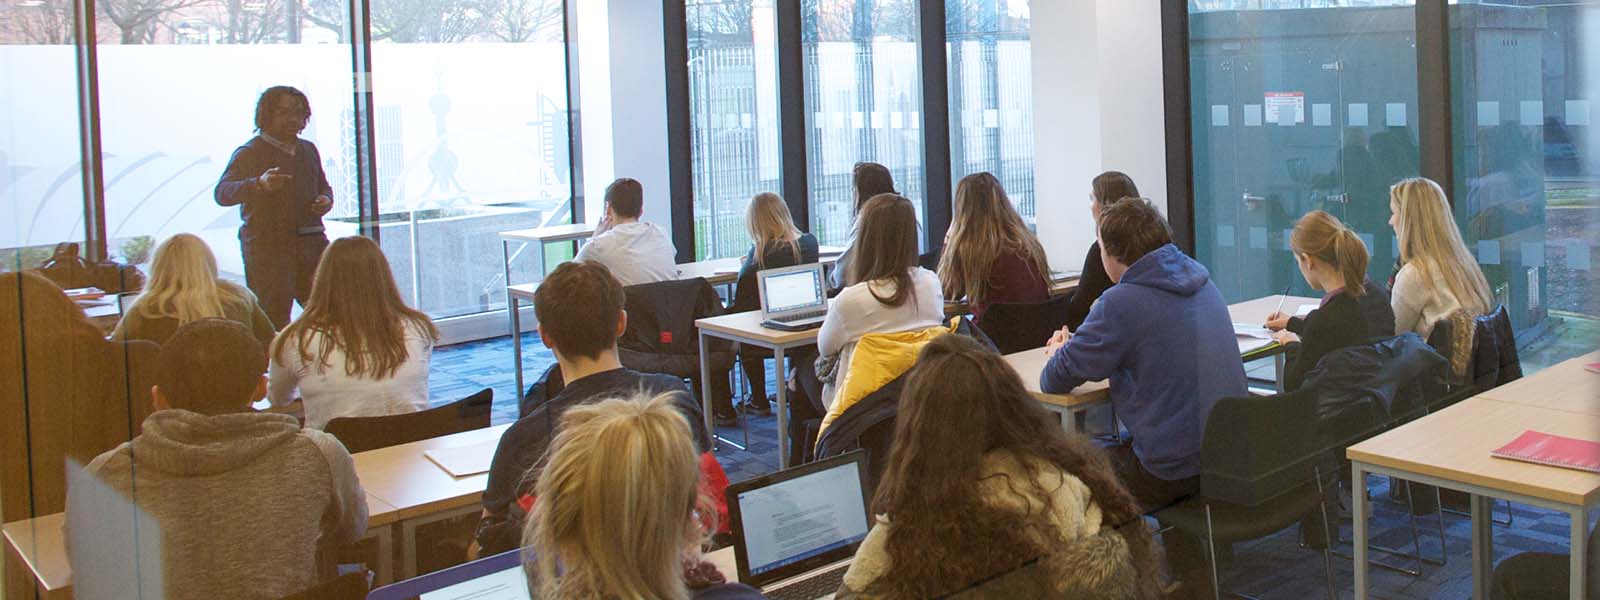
pixel 360 24
pixel 1179 125
pixel 1434 120
pixel 935 122
pixel 93 172
pixel 569 35
pixel 680 163
pixel 792 113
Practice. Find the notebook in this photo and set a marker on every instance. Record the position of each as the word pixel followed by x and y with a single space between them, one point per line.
pixel 1554 450
pixel 1593 367
pixel 463 461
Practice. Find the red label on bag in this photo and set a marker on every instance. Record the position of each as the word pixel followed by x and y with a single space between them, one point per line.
pixel 666 337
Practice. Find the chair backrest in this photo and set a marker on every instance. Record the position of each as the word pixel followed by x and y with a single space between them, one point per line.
pixel 360 434
pixel 1257 448
pixel 1018 327
pixel 661 315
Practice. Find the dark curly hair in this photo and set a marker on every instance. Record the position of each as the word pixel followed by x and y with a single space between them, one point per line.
pixel 960 403
pixel 270 97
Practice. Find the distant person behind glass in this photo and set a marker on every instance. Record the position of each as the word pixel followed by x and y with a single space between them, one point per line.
pixel 358 350
pixel 184 287
pixel 277 181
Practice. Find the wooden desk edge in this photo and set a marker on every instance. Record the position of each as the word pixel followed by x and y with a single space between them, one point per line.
pixel 1075 400
pixel 45 580
pixel 1587 500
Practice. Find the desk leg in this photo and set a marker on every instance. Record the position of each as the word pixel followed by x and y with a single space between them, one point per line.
pixel 515 309
pixel 1358 526
pixel 1482 545
pixel 1277 369
pixel 705 391
pixel 782 407
pixel 1578 579
pixel 384 536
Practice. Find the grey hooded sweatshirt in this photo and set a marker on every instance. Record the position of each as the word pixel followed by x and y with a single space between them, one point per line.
pixel 244 500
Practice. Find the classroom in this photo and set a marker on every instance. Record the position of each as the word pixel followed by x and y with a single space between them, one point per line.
pixel 739 299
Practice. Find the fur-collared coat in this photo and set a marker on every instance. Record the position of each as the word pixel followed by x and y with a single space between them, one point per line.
pixel 1092 560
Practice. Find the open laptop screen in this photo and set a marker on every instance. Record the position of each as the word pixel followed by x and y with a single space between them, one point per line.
pixel 796 519
pixel 498 577
pixel 790 290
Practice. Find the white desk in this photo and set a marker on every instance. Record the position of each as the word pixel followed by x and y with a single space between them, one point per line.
pixel 1450 449
pixel 745 328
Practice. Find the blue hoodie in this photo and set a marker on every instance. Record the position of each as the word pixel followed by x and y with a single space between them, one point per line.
pixel 1163 336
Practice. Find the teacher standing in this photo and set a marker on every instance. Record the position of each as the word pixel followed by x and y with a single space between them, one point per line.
pixel 276 179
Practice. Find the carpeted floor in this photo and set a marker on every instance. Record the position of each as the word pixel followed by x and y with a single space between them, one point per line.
pixel 1272 567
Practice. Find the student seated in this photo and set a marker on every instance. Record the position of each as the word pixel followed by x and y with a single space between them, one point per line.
pixel 894 294
pixel 357 350
pixel 184 286
pixel 775 243
pixel 1334 260
pixel 579 308
pixel 244 499
pixel 636 252
pixel 1375 310
pixel 1106 189
pixel 989 255
pixel 619 513
pixel 1437 275
pixel 867 179
pixel 984 494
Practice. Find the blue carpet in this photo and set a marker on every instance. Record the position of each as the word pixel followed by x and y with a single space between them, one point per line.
pixel 1272 567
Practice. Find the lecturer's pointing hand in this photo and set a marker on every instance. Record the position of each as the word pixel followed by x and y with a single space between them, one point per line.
pixel 274 179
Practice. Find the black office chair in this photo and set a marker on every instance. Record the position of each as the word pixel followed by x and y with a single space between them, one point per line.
pixel 662 338
pixel 1018 327
pixel 360 434
pixel 1259 474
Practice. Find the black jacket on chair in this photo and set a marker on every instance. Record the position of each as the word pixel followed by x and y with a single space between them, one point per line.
pixel 1494 351
pixel 1361 389
pixel 661 335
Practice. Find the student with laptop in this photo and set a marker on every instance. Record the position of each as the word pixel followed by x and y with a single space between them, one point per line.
pixel 986 481
pixel 244 499
pixel 894 294
pixel 635 251
pixel 775 243
pixel 1163 336
pixel 867 179
pixel 990 256
pixel 619 514
pixel 579 308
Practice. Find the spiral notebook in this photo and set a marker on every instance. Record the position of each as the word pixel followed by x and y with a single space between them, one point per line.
pixel 1553 450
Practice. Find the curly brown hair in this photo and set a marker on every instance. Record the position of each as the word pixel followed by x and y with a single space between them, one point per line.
pixel 961 402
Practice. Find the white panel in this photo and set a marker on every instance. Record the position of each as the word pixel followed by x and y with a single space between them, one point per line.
pixel 1577 112
pixel 1394 114
pixel 1488 113
pixel 1358 115
pixel 1532 112
pixel 1488 252
pixel 1321 115
pixel 1252 115
pixel 1219 115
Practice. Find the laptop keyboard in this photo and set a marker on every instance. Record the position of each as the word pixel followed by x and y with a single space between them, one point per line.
pixel 803 316
pixel 821 585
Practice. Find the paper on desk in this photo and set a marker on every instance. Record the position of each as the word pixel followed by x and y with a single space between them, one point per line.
pixel 1064 275
pixel 464 461
pixel 1305 309
pixel 1246 330
pixel 1250 344
pixel 122 541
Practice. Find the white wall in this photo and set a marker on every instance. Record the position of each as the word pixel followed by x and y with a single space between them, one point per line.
pixel 1097 93
pixel 638 113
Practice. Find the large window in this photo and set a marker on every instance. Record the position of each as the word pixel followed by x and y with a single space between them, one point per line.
pixel 165 145
pixel 733 108
pixel 1524 88
pixel 471 124
pixel 41 192
pixel 991 94
pixel 1293 111
pixel 863 102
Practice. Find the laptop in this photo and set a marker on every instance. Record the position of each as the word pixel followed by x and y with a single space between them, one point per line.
pixel 793 298
pixel 497 577
pixel 795 531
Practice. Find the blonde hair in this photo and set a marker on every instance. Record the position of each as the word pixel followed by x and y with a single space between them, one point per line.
pixel 1321 235
pixel 184 284
pixel 768 222
pixel 1430 243
pixel 615 503
pixel 985 227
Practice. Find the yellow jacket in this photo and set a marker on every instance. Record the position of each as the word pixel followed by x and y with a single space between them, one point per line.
pixel 878 359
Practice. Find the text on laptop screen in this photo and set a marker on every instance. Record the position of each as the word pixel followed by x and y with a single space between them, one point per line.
pixel 790 521
pixel 788 291
pixel 509 584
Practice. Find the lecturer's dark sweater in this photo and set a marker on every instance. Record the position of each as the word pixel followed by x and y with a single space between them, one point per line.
pixel 274 216
pixel 1338 323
